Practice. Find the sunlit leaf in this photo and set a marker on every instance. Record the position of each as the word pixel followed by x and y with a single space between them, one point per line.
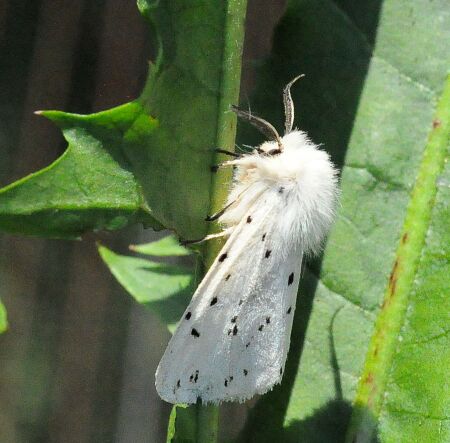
pixel 164 289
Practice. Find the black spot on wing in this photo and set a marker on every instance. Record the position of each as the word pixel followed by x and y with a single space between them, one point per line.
pixel 235 330
pixel 263 237
pixel 227 277
pixel 195 333
pixel 281 370
pixel 261 327
pixel 188 316
pixel 228 380
pixel 223 257
pixel 245 372
pixel 267 254
pixel 290 279
pixel 240 302
pixel 289 310
pixel 213 301
pixel 281 189
pixel 267 320
pixel 249 219
pixel 178 383
pixel 233 320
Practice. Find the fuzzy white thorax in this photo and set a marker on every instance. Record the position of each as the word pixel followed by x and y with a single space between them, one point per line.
pixel 303 172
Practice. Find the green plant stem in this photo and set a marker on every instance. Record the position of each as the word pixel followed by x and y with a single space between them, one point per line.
pixel 207 424
pixel 226 120
pixel 208 416
pixel 370 394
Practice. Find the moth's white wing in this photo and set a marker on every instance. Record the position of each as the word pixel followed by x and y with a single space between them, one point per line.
pixel 233 339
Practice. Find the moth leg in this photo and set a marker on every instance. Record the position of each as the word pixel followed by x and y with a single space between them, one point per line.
pixel 224 233
pixel 215 168
pixel 215 216
pixel 226 152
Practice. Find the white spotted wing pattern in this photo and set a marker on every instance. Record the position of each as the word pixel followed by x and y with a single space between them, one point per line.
pixel 234 336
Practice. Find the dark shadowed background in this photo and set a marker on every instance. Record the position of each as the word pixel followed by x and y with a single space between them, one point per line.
pixel 77 363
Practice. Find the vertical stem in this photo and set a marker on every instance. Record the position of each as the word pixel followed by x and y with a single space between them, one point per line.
pixel 229 94
pixel 208 416
pixel 207 424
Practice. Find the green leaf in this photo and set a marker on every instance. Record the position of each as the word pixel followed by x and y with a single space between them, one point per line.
pixel 417 394
pixel 167 246
pixel 164 289
pixel 405 375
pixel 3 319
pixel 91 186
pixel 369 101
pixel 147 161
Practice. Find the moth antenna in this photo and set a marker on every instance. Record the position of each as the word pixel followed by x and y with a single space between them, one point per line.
pixel 289 105
pixel 259 123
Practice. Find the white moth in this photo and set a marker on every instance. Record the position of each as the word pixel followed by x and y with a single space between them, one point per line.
pixel 233 338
